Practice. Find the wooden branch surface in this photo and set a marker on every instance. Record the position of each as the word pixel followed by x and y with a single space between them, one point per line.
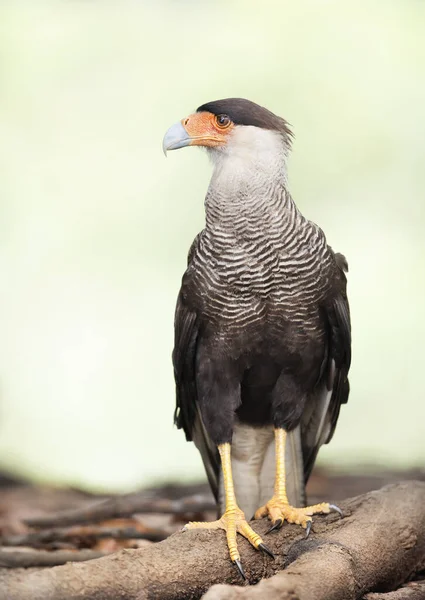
pixel 123 506
pixel 15 559
pixel 378 545
pixel 411 591
pixel 38 539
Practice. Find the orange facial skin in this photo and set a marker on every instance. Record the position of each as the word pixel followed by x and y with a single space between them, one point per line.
pixel 204 129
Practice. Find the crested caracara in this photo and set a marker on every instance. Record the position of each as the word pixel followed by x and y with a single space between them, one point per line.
pixel 262 326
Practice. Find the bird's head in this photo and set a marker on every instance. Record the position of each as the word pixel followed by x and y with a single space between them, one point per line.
pixel 231 127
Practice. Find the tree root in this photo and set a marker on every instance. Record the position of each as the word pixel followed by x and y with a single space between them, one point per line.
pixel 123 506
pixel 376 547
pixel 24 559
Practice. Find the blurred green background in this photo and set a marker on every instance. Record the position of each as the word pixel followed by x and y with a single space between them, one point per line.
pixel 95 223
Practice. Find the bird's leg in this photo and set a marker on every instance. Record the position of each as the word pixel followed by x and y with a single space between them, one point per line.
pixel 278 508
pixel 233 520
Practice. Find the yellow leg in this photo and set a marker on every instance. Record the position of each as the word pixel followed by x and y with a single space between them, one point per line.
pixel 278 508
pixel 233 520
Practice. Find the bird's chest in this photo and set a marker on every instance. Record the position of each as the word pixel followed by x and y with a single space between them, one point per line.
pixel 249 270
pixel 257 278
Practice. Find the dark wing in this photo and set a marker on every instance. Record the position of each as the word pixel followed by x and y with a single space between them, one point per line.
pixel 187 330
pixel 322 411
pixel 184 362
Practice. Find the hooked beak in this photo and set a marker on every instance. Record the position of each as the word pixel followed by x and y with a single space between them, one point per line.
pixel 198 129
pixel 176 137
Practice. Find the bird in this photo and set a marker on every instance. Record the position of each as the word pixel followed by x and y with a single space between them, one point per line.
pixel 262 344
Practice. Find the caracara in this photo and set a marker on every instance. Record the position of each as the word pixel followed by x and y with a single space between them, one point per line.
pixel 262 326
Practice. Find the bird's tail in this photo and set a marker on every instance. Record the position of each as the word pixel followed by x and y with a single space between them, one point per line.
pixel 253 467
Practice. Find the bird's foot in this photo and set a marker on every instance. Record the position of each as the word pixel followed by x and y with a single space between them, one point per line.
pixel 233 521
pixel 278 511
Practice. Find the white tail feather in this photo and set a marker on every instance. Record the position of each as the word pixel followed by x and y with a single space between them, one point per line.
pixel 253 467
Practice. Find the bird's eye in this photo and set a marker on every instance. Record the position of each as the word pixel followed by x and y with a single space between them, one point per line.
pixel 222 121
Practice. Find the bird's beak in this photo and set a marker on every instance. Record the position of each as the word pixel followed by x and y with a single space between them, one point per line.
pixel 176 137
pixel 198 129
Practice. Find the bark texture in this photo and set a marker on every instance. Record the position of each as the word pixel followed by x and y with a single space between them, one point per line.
pixel 376 547
pixel 411 591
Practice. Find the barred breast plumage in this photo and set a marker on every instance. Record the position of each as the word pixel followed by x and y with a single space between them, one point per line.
pixel 259 259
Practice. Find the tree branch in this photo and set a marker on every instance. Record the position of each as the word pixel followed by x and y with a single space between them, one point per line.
pixel 411 591
pixel 23 559
pixel 79 536
pixel 123 506
pixel 377 546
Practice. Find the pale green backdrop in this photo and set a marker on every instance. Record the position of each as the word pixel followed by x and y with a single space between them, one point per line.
pixel 95 223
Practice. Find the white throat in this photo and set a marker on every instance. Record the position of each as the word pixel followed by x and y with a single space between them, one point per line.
pixel 251 155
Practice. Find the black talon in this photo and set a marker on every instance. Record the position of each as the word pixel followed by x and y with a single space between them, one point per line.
pixel 276 525
pixel 266 550
pixel 240 568
pixel 308 528
pixel 336 509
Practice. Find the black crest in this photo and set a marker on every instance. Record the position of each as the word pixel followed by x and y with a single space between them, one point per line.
pixel 245 112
